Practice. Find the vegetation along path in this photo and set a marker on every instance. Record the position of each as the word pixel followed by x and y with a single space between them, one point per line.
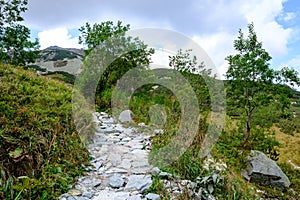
pixel 120 165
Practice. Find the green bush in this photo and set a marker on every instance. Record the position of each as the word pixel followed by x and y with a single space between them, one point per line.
pixel 40 150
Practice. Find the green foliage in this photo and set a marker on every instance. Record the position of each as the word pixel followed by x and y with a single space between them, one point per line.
pixel 289 123
pixel 110 54
pixel 10 11
pixel 35 67
pixel 287 126
pixel 207 185
pixel 93 36
pixel 40 150
pixel 62 76
pixel 292 174
pixel 58 75
pixel 15 45
pixel 251 81
pixel 158 187
pixel 185 62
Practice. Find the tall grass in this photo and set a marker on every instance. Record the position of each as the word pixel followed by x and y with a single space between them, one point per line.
pixel 41 153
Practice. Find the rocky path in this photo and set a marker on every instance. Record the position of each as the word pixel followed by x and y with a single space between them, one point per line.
pixel 120 166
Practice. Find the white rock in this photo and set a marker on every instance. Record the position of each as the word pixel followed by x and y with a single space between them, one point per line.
pixel 126 116
pixel 138 182
pixel 152 196
pixel 116 181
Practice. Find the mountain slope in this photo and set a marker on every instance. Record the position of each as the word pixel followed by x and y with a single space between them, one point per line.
pixel 55 58
pixel 40 150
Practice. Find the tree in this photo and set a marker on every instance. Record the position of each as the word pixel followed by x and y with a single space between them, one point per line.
pixel 183 61
pixel 107 42
pixel 15 45
pixel 251 81
pixel 10 11
pixel 196 73
pixel 92 36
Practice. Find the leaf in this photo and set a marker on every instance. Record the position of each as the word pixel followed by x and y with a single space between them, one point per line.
pixel 16 153
pixel 215 178
pixel 204 180
pixel 59 170
pixel 210 188
pixel 22 177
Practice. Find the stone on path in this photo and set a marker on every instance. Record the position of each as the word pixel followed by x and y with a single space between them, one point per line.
pixel 126 116
pixel 111 195
pixel 152 196
pixel 116 181
pixel 139 182
pixel 75 192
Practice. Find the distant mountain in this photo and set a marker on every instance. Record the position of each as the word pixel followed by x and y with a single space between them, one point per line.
pixel 56 58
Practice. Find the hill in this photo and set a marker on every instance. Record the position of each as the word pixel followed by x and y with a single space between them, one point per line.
pixel 40 151
pixel 56 58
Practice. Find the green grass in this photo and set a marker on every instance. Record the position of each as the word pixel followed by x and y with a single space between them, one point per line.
pixel 166 109
pixel 228 149
pixel 41 152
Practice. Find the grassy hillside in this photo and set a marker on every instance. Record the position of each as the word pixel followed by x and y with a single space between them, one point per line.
pixel 40 150
pixel 41 153
pixel 228 149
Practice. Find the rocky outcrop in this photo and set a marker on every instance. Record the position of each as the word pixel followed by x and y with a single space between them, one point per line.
pixel 264 171
pixel 55 59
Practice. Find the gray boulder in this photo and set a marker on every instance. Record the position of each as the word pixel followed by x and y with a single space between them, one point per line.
pixel 126 116
pixel 264 171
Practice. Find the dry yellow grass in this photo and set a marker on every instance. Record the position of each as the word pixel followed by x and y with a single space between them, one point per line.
pixel 290 146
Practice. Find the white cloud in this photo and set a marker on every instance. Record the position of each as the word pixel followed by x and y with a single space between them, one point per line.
pixel 289 16
pixel 59 37
pixel 213 24
pixel 263 14
pixel 160 59
pixel 218 46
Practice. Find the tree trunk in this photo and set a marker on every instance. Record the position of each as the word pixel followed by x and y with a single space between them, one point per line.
pixel 248 129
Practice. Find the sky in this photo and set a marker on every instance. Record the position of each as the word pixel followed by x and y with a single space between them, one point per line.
pixel 213 24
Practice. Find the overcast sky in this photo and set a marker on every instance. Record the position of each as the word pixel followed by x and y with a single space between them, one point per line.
pixel 213 24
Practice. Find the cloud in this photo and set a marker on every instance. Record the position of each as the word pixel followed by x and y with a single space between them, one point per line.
pixel 289 16
pixel 218 46
pixel 59 37
pixel 293 62
pixel 186 16
pixel 263 14
pixel 214 24
pixel 160 59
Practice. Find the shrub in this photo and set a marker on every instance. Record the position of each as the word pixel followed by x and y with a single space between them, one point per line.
pixel 40 150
